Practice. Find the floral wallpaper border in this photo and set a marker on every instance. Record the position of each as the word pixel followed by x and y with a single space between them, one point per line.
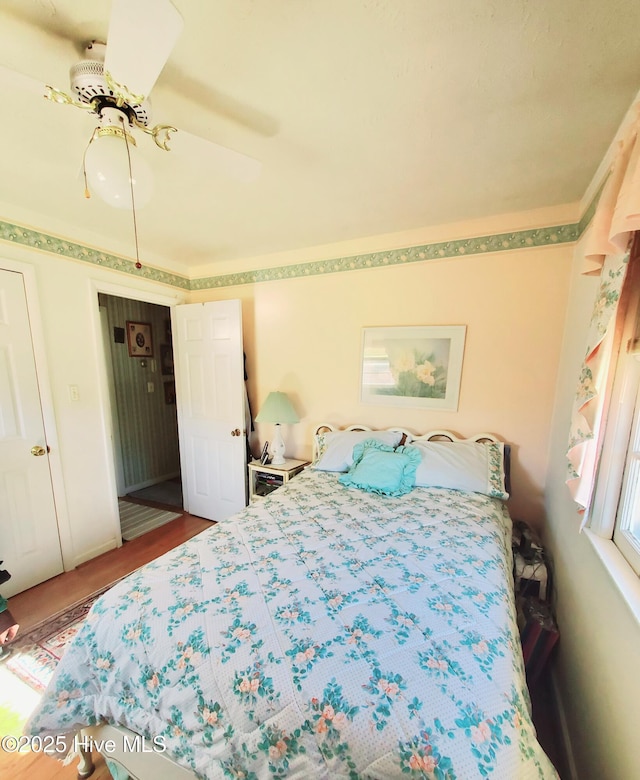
pixel 501 242
pixel 524 239
pixel 17 234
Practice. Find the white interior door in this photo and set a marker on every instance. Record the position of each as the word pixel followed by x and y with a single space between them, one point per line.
pixel 29 542
pixel 209 370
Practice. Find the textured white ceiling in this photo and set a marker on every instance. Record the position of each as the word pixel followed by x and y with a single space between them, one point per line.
pixel 369 116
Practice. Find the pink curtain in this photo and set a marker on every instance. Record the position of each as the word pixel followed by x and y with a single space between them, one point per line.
pixel 614 224
pixel 618 213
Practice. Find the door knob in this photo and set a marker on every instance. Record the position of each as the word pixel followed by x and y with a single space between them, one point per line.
pixel 37 451
pixel 235 432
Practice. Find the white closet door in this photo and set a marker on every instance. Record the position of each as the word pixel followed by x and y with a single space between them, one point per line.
pixel 29 542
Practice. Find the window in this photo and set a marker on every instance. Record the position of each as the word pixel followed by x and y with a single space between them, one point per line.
pixel 615 513
pixel 626 533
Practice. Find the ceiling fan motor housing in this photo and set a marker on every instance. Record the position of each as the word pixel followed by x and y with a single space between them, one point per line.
pixel 88 82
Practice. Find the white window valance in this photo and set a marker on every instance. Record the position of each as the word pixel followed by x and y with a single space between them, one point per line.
pixel 615 222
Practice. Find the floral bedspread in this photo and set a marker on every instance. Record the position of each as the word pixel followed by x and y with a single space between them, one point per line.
pixel 322 633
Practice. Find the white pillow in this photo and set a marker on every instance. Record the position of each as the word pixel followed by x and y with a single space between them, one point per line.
pixel 472 466
pixel 335 448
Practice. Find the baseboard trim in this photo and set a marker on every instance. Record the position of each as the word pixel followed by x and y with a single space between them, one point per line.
pixel 90 554
pixel 565 737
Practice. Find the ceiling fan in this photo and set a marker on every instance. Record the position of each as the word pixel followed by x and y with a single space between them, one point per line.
pixel 114 81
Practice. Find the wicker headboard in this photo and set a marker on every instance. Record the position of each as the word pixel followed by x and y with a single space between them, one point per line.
pixel 408 437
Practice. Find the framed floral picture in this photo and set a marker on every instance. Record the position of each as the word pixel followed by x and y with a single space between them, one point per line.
pixel 139 339
pixel 413 366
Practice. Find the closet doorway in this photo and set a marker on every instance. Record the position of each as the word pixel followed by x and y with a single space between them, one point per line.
pixel 138 348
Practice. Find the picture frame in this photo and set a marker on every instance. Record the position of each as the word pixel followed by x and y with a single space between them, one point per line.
pixel 166 359
pixel 413 366
pixel 139 339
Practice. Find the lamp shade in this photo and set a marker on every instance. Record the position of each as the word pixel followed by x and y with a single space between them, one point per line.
pixel 107 168
pixel 277 409
pixel 113 164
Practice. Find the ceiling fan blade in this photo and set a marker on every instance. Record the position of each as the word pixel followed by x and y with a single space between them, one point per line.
pixel 212 99
pixel 12 79
pixel 142 34
pixel 215 157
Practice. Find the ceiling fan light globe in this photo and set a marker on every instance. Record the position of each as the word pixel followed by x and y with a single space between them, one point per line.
pixel 107 169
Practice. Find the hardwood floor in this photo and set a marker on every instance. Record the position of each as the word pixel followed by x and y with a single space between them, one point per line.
pixel 44 600
pixel 33 605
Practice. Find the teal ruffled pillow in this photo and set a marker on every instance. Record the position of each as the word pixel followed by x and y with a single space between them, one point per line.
pixel 379 468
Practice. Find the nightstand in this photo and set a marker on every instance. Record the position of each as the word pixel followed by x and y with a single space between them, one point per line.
pixel 265 479
pixel 532 579
pixel 528 571
pixel 530 567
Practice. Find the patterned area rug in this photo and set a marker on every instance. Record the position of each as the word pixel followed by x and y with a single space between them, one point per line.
pixel 36 652
pixel 138 519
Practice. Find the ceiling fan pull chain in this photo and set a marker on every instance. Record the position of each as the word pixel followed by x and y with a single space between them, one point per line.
pixel 133 202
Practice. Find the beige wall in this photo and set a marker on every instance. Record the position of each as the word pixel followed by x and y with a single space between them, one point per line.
pixel 303 337
pixel 597 662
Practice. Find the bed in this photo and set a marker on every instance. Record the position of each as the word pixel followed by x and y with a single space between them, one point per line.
pixel 334 629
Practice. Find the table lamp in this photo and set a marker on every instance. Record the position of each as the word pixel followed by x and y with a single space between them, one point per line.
pixel 277 409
